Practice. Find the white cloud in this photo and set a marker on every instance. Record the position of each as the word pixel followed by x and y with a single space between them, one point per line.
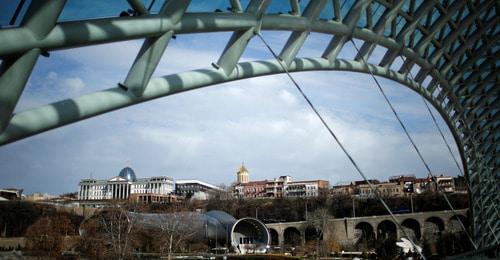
pixel 73 84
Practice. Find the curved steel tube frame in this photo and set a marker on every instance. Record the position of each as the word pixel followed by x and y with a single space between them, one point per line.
pixel 454 44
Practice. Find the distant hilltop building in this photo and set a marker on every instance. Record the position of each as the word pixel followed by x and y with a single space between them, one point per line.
pixel 195 189
pixel 397 186
pixel 38 196
pixel 11 194
pixel 125 186
pixel 277 188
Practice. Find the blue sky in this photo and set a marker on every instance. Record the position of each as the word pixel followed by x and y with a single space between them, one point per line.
pixel 207 133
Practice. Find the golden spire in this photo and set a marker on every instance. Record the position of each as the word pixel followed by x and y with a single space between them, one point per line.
pixel 242 174
pixel 242 168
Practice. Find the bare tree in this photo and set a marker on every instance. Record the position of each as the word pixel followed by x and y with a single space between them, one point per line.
pixel 117 226
pixel 110 233
pixel 318 219
pixel 176 230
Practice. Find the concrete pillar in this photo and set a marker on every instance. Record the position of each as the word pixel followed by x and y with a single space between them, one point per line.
pixel 302 236
pixel 281 237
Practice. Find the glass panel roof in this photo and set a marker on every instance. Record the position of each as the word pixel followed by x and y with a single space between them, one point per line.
pixel 278 7
pixel 377 12
pixel 362 20
pixel 346 7
pixel 327 12
pixel 90 9
pixel 8 10
pixel 406 6
pixel 209 6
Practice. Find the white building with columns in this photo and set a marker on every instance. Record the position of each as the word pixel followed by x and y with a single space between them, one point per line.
pixel 123 186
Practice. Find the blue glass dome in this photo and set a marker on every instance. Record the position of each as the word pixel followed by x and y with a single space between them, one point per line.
pixel 128 174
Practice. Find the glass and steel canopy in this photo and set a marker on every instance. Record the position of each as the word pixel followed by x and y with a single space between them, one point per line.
pixel 452 45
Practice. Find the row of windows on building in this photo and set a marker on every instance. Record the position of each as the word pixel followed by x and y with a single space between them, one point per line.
pixel 126 185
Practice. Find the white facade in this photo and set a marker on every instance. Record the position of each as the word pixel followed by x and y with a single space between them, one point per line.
pixel 124 185
pixel 303 189
pixel 188 188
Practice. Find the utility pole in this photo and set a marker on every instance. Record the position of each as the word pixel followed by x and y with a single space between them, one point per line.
pixel 411 202
pixel 353 208
pixel 306 210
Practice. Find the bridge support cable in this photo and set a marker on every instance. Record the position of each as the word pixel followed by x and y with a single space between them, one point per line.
pixel 461 172
pixel 334 136
pixel 414 145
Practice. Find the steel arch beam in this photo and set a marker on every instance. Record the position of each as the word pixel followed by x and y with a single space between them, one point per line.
pixel 31 122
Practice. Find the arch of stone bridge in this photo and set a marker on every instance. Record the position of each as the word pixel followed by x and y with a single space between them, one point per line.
pixel 366 232
pixel 275 241
pixel 452 44
pixel 433 226
pixel 387 229
pixel 413 228
pixel 293 237
pixel 311 234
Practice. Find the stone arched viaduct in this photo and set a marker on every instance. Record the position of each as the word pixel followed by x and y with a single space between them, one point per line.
pixel 343 230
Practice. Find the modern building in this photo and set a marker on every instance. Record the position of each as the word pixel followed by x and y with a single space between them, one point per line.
pixel 190 188
pixel 312 188
pixel 275 188
pixel 124 186
pixel 11 194
pixel 446 183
